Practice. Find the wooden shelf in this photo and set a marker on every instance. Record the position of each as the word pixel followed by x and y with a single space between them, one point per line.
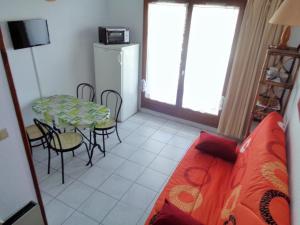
pixel 293 52
pixel 272 95
pixel 277 84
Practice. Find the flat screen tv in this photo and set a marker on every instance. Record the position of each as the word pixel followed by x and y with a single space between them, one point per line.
pixel 29 33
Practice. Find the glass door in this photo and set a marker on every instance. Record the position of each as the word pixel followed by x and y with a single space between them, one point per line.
pixel 209 48
pixel 187 56
pixel 166 22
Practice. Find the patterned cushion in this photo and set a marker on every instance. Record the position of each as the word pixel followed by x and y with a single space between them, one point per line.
pixel 33 132
pixel 106 124
pixel 68 140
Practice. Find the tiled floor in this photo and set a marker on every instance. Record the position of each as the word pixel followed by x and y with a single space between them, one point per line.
pixel 121 188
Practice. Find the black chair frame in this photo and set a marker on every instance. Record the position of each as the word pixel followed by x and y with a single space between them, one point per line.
pixel 51 134
pixel 107 130
pixel 80 91
pixel 42 139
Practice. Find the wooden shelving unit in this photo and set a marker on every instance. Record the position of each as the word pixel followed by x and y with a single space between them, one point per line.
pixel 277 80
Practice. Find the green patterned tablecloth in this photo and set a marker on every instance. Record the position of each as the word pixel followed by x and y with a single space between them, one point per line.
pixel 67 110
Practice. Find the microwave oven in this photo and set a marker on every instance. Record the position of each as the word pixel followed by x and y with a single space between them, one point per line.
pixel 114 35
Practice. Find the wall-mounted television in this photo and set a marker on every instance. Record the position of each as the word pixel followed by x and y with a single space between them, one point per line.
pixel 29 33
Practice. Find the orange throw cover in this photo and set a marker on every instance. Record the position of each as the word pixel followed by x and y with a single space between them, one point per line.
pixel 252 191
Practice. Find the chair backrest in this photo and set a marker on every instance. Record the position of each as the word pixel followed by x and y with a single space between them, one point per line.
pixel 49 134
pixel 85 91
pixel 113 100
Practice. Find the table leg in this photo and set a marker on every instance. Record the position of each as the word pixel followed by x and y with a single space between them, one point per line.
pixel 95 145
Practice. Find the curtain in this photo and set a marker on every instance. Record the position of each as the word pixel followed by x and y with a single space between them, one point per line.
pixel 256 34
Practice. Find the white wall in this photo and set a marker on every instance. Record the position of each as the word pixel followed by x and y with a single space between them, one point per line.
pixel 293 141
pixel 16 185
pixel 128 13
pixel 68 60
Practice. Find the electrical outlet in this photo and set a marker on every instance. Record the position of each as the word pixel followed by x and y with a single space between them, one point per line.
pixel 3 134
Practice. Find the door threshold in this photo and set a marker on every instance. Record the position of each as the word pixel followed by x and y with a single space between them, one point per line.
pixel 179 120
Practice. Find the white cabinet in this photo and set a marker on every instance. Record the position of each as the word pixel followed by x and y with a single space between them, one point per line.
pixel 116 68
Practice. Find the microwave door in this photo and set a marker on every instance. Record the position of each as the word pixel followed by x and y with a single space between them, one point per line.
pixel 115 37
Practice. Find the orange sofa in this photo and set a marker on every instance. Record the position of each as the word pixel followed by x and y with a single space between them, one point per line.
pixel 251 191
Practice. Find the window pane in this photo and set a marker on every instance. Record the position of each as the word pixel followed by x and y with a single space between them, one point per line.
pixel 211 37
pixel 166 23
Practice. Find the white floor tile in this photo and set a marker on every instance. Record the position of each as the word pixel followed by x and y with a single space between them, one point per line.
pixel 42 171
pixel 135 140
pixel 123 214
pixel 82 154
pixel 180 142
pixel 153 124
pixel 124 150
pixel 110 162
pixel 39 154
pixel 150 207
pixel 143 219
pixel 76 167
pixel 56 160
pixel 79 219
pixel 163 165
pixel 115 186
pixel 137 119
pixel 124 133
pixel 157 119
pixel 142 115
pixel 53 184
pixel 152 179
pixel 172 152
pixel 75 194
pixel 169 130
pixel 57 212
pixel 153 146
pixel 173 125
pixel 144 158
pixel 95 176
pixel 130 170
pixel 129 125
pixel 97 206
pixel 144 131
pixel 111 142
pixel 162 136
pixel 189 132
pixel 139 197
pixel 46 198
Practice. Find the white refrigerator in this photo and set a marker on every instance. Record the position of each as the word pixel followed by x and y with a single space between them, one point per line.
pixel 116 68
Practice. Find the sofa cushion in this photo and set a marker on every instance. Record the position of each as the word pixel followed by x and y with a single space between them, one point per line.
pixel 198 186
pixel 259 179
pixel 171 215
pixel 217 146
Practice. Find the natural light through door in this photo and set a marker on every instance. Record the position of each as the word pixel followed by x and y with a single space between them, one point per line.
pixel 166 22
pixel 211 37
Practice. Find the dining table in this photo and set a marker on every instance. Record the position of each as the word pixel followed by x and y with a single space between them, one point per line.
pixel 65 111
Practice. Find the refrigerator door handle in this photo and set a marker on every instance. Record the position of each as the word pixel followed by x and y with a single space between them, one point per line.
pixel 120 58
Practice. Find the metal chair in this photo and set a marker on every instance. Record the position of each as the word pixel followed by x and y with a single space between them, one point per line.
pixel 34 134
pixel 85 91
pixel 113 100
pixel 60 143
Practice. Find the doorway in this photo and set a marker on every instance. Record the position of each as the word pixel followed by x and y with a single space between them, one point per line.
pixel 188 49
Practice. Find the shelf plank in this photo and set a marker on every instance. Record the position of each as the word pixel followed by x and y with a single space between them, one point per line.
pixel 277 84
